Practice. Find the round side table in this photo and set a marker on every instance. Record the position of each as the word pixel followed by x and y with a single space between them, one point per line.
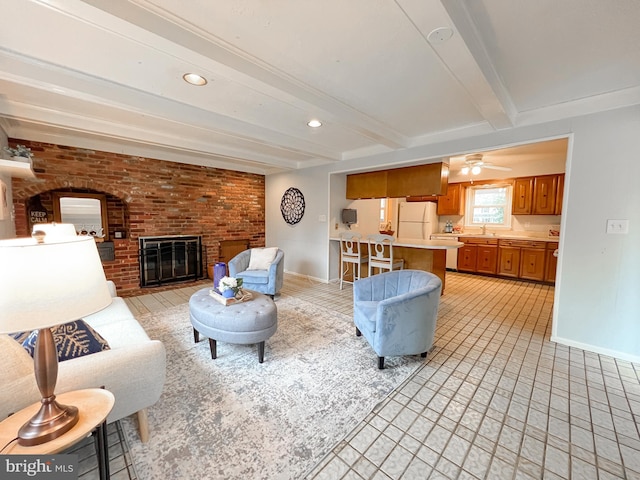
pixel 94 404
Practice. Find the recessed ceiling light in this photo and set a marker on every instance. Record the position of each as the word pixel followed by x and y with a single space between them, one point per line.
pixel 314 123
pixel 194 79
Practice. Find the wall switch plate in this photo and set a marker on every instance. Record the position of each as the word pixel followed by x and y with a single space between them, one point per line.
pixel 322 218
pixel 617 226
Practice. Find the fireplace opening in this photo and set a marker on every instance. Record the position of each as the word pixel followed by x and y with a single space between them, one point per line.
pixel 170 259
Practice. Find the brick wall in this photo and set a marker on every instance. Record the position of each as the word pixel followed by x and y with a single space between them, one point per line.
pixel 148 197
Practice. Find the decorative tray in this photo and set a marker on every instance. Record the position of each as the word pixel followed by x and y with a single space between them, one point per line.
pixel 243 297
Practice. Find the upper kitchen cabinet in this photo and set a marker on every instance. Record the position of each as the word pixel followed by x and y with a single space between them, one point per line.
pixel 453 202
pixel 367 185
pixel 559 194
pixel 522 196
pixel 541 195
pixel 545 191
pixel 421 180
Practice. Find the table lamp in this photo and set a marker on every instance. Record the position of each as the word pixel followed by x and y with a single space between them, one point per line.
pixel 46 282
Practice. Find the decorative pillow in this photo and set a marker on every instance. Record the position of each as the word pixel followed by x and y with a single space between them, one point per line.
pixel 74 339
pixel 261 258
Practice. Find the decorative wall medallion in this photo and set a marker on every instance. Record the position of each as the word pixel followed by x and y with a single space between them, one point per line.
pixel 292 206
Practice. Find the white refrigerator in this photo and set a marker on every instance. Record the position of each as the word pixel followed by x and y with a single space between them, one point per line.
pixel 417 220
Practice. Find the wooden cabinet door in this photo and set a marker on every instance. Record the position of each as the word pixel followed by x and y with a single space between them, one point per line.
pixel 522 196
pixel 551 263
pixel 417 181
pixel 559 195
pixel 487 259
pixel 367 185
pixel 453 202
pixel 532 263
pixel 467 258
pixel 545 189
pixel 509 261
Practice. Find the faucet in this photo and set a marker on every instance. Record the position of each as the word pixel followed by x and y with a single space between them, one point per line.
pixel 484 229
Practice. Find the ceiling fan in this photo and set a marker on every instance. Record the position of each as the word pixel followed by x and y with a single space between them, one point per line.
pixel 474 163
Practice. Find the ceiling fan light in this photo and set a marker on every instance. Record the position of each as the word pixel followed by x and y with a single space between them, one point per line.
pixel 464 171
pixel 476 170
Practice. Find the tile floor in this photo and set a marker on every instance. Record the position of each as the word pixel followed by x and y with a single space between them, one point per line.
pixel 498 400
pixel 495 399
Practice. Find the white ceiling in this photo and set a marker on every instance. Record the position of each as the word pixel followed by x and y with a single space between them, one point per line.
pixel 107 74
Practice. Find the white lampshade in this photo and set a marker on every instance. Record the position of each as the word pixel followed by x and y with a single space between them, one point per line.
pixel 42 285
pixel 56 230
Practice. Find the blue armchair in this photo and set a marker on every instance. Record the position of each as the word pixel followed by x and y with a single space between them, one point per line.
pixel 267 281
pixel 397 311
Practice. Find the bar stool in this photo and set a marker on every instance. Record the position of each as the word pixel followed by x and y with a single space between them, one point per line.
pixel 351 254
pixel 381 254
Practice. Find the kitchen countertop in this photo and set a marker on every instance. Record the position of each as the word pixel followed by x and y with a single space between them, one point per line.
pixel 417 243
pixel 503 236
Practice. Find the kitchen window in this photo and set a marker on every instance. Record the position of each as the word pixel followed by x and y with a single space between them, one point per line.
pixel 488 205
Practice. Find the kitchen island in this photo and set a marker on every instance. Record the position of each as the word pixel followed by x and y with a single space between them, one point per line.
pixel 427 255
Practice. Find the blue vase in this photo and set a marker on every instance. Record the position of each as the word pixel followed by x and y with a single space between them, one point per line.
pixel 219 271
pixel 228 293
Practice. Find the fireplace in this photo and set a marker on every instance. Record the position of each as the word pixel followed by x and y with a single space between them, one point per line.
pixel 170 259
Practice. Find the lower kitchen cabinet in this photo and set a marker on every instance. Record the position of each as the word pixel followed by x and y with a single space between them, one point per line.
pixel 525 259
pixel 522 259
pixel 508 261
pixel 551 263
pixel 487 259
pixel 532 262
pixel 479 255
pixel 467 256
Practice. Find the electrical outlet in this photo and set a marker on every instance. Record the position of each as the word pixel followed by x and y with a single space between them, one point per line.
pixel 336 227
pixel 617 226
pixel 322 218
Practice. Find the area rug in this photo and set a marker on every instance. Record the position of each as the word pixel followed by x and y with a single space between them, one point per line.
pixel 234 418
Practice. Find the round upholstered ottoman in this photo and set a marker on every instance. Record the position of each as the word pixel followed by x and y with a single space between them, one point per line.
pixel 252 321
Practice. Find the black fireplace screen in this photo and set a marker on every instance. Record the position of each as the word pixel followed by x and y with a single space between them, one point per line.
pixel 170 259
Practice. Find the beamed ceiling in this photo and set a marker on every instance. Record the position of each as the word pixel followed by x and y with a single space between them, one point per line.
pixel 380 75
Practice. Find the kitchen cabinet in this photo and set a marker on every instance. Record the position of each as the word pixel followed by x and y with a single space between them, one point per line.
pixel 508 260
pixel 418 181
pixel 551 263
pixel 522 196
pixel 478 255
pixel 545 191
pixel 467 256
pixel 453 202
pixel 522 259
pixel 560 194
pixel 532 262
pixel 487 259
pixel 421 180
pixel 541 195
pixel 367 185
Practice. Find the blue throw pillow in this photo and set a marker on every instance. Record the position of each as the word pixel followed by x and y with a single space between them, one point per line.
pixel 74 339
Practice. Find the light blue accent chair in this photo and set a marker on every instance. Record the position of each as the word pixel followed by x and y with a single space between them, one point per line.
pixel 268 281
pixel 397 312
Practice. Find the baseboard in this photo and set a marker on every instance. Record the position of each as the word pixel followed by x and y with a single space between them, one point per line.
pixel 600 351
pixel 307 277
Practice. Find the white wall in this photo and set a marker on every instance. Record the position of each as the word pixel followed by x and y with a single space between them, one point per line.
pixel 599 305
pixel 7 226
pixel 598 290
